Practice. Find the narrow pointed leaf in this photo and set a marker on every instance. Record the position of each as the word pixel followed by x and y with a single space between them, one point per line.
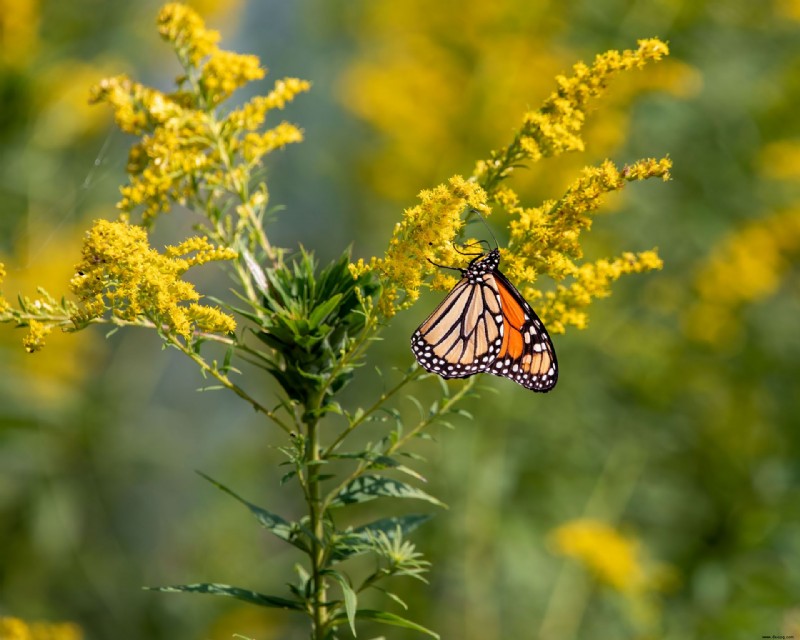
pixel 245 595
pixel 323 310
pixel 370 487
pixel 280 527
pixel 391 619
pixel 350 598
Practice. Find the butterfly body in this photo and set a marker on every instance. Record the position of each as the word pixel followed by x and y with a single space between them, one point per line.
pixel 484 325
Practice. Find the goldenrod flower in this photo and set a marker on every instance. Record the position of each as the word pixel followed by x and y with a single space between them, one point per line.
pixel 122 274
pixel 256 145
pixel 426 232
pixel 614 559
pixel 185 30
pixel 16 629
pixel 188 150
pixel 566 305
pixel 252 114
pixel 225 72
pixel 556 126
pixel 546 240
pixel 37 332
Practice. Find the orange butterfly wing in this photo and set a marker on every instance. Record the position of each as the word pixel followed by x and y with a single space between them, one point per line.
pixel 527 355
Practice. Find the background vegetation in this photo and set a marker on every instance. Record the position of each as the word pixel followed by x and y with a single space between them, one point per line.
pixel 675 421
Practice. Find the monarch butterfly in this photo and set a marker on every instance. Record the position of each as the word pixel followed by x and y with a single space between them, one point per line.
pixel 485 325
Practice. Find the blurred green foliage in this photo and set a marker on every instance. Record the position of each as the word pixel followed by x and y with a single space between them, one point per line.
pixel 690 446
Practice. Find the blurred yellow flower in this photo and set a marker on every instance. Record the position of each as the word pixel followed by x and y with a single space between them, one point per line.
pixel 614 559
pixel 64 114
pixel 16 629
pixel 780 160
pixel 788 9
pixel 747 266
pixel 19 31
pixel 473 81
pixel 51 377
pixel 120 273
pixel 3 302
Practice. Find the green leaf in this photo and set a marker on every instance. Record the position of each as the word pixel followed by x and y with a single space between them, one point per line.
pixel 323 310
pixel 357 415
pixel 275 523
pixel 392 619
pixel 379 461
pixel 418 405
pixel 351 543
pixel 246 595
pixel 350 598
pixel 391 595
pixel 370 487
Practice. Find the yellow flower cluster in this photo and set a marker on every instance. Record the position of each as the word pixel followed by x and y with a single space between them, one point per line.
pixel 426 232
pixel 187 150
pixel 37 332
pixel 40 315
pixel 184 28
pixel 256 145
pixel 545 239
pixel 16 629
pixel 747 266
pixel 121 273
pixel 225 72
pixel 556 126
pixel 567 304
pixel 611 557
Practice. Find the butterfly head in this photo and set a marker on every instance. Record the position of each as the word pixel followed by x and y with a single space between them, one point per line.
pixel 485 263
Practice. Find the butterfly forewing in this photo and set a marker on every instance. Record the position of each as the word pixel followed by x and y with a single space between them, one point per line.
pixel 485 325
pixel 457 341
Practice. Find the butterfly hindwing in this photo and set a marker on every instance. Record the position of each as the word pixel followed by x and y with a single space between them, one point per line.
pixel 485 325
pixel 527 355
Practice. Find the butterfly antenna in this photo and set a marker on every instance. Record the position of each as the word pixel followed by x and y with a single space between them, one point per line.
pixel 464 253
pixel 441 266
pixel 488 228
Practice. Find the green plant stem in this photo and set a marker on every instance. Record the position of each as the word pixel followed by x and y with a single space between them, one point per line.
pixel 386 395
pixel 319 611
pixel 502 164
pixel 241 187
pixel 226 382
pixel 571 595
pixel 446 406
pixel 364 465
